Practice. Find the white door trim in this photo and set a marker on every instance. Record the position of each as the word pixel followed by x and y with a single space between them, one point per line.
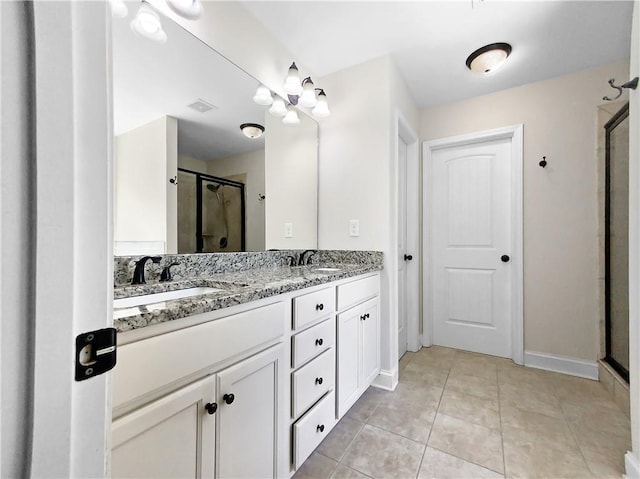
pixel 515 133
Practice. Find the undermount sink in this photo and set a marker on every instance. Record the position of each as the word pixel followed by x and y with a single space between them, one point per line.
pixel 134 301
pixel 327 270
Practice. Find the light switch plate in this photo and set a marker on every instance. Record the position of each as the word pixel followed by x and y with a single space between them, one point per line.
pixel 288 230
pixel 354 227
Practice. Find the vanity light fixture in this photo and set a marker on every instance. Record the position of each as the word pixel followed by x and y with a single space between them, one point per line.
pixel 304 93
pixel 291 118
pixel 119 9
pixel 278 107
pixel 321 109
pixel 489 58
pixel 292 86
pixel 252 130
pixel 263 96
pixel 147 24
pixel 189 9
pixel 308 97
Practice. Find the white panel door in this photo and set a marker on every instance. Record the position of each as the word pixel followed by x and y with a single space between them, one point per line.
pixel 402 247
pixel 471 234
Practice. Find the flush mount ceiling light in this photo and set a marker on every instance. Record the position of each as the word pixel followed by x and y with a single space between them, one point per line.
pixel 488 58
pixel 189 9
pixel 263 96
pixel 147 24
pixel 252 130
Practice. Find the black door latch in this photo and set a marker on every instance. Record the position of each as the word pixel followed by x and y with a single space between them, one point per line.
pixel 95 353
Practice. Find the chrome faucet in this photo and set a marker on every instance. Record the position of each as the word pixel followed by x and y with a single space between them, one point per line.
pixel 138 273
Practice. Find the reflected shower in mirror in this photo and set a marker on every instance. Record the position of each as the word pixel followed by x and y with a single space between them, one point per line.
pixel 178 108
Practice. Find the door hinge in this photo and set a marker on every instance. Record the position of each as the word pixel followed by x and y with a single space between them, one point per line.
pixel 95 353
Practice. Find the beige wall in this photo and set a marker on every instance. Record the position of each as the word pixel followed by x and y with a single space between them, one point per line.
pixel 560 201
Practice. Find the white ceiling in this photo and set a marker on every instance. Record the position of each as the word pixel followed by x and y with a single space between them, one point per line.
pixel 430 40
pixel 152 80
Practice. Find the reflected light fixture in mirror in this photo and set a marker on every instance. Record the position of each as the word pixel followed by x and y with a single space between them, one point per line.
pixel 291 118
pixel 147 24
pixel 263 96
pixel 321 109
pixel 278 107
pixel 489 58
pixel 252 130
pixel 189 9
pixel 119 9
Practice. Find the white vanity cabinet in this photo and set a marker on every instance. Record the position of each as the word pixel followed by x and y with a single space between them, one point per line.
pixel 358 355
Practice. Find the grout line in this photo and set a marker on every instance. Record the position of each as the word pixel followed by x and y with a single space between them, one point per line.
pixel 504 460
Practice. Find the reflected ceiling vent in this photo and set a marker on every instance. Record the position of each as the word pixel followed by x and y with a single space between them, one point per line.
pixel 202 106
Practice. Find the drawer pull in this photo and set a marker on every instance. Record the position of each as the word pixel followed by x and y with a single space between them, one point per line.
pixel 319 342
pixel 320 428
pixel 211 407
pixel 364 317
pixel 229 398
pixel 319 307
pixel 318 380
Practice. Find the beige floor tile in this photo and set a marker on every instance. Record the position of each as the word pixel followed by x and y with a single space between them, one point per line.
pixel 364 407
pixel 575 389
pixel 416 394
pixel 381 454
pixel 543 460
pixel 596 417
pixel 524 427
pixel 526 379
pixel 621 398
pixel 476 410
pixel 440 465
pixel 316 466
pixel 408 420
pixel 404 360
pixel 473 385
pixel 438 351
pixel 432 361
pixel 483 369
pixel 416 372
pixel 344 472
pixel 603 452
pixel 478 444
pixel 338 440
pixel 543 402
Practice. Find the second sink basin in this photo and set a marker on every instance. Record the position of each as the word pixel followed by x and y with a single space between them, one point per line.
pixel 159 297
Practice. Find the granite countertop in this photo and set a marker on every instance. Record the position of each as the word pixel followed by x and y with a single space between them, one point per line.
pixel 236 287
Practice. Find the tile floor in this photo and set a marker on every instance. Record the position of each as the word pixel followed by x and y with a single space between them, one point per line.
pixel 456 414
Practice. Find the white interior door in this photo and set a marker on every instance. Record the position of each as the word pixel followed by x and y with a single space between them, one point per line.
pixel 402 247
pixel 471 253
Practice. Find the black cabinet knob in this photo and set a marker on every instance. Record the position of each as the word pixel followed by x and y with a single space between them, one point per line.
pixel 320 427
pixel 363 317
pixel 318 380
pixel 211 407
pixel 229 398
pixel 504 258
pixel 367 316
pixel 408 257
pixel 319 307
pixel 319 342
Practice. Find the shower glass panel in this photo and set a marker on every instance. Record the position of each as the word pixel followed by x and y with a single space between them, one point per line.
pixel 211 214
pixel 617 242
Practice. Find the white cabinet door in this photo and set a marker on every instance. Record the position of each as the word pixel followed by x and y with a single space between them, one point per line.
pixel 171 437
pixel 370 346
pixel 248 418
pixel 348 354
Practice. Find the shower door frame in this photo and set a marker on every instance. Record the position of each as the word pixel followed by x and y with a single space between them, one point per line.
pixel 615 120
pixel 200 177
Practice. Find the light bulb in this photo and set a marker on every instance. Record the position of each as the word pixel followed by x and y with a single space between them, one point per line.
pixel 263 96
pixel 278 108
pixel 322 108
pixel 291 118
pixel 292 84
pixel 119 9
pixel 147 24
pixel 308 98
pixel 189 9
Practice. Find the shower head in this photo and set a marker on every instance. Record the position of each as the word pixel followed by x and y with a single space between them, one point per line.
pixel 214 188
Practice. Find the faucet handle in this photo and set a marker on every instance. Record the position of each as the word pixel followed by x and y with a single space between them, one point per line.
pixel 166 272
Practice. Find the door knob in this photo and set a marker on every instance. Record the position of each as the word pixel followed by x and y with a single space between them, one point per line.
pixel 504 258
pixel 229 398
pixel 211 407
pixel 408 257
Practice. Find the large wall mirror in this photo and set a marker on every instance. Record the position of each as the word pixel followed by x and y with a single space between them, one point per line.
pixel 186 178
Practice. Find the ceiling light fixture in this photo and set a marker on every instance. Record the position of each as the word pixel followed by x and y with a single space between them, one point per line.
pixel 119 9
pixel 147 24
pixel 189 9
pixel 252 130
pixel 263 96
pixel 489 58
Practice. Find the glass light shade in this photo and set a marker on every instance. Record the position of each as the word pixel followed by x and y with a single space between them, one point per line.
pixel 308 98
pixel 278 108
pixel 291 118
pixel 252 130
pixel 119 9
pixel 488 58
pixel 147 24
pixel 292 84
pixel 322 108
pixel 263 96
pixel 189 9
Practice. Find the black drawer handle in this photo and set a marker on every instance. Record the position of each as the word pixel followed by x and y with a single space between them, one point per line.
pixel 319 307
pixel 211 407
pixel 367 316
pixel 319 342
pixel 318 380
pixel 320 428
pixel 229 398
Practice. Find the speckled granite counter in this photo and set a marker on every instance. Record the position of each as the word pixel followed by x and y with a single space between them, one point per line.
pixel 239 277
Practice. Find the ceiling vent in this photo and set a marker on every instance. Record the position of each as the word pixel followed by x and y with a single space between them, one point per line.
pixel 202 106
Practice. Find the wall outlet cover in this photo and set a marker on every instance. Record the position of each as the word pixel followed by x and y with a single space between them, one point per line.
pixel 288 230
pixel 354 227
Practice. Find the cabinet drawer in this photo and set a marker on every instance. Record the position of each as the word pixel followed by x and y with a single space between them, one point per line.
pixel 312 381
pixel 308 344
pixel 357 291
pixel 311 429
pixel 313 306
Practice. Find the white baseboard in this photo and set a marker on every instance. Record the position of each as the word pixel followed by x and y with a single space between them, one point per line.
pixel 631 466
pixel 561 364
pixel 387 380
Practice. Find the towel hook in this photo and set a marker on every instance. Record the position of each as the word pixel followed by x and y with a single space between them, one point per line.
pixel 632 84
pixel 543 163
